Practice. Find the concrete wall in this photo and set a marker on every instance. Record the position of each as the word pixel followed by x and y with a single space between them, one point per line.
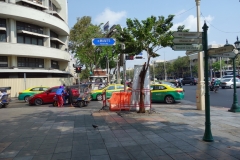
pixel 19 84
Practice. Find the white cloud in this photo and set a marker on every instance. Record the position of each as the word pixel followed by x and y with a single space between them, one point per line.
pixel 111 16
pixel 191 22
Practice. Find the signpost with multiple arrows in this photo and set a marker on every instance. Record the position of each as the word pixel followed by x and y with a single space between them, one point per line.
pixel 187 41
pixel 226 52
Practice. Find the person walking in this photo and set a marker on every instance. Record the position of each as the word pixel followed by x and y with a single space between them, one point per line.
pixel 70 96
pixel 59 94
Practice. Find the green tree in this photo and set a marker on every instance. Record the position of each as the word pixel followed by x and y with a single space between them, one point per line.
pixel 181 66
pixel 216 65
pixel 80 42
pixel 149 35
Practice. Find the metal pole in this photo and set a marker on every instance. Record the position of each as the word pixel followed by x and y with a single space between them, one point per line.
pixel 208 134
pixel 79 82
pixel 200 86
pixel 235 106
pixel 165 73
pixel 108 70
pixel 220 67
pixel 124 72
pixel 25 83
pixel 190 68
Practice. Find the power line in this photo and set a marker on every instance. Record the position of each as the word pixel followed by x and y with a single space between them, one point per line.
pixel 185 11
pixel 216 27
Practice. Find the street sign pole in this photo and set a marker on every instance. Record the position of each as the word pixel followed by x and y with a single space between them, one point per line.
pixel 208 134
pixel 235 106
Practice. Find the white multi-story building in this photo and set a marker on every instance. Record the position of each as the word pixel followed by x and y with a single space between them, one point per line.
pixel 34 39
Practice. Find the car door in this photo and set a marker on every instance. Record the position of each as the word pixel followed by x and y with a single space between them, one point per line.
pixel 35 90
pixel 237 82
pixel 48 98
pixel 157 94
pixel 110 90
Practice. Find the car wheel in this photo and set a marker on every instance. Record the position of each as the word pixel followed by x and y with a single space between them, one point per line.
pixel 26 98
pixel 183 84
pixel 191 83
pixel 99 97
pixel 38 102
pixel 80 104
pixel 223 87
pixel 169 99
pixel 231 86
pixel 55 104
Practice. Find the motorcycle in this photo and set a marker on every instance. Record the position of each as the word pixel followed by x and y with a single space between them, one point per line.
pixel 178 84
pixel 214 88
pixel 4 101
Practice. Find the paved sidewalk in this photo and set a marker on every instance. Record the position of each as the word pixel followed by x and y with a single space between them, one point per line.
pixel 174 132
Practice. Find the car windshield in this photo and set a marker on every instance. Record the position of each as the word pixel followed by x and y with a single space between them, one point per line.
pixel 170 84
pixel 226 80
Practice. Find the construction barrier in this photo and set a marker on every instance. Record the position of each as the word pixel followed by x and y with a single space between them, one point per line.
pixel 120 101
pixel 129 100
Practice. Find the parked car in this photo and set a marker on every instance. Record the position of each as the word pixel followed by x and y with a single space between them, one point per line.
pixel 166 93
pixel 228 83
pixel 97 94
pixel 24 95
pixel 48 96
pixel 189 80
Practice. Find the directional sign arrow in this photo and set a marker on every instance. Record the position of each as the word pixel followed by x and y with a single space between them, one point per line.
pixel 103 41
pixel 187 47
pixel 187 34
pixel 227 54
pixel 187 41
pixel 221 50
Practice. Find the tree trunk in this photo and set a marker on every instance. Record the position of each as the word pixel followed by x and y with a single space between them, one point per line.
pixel 142 93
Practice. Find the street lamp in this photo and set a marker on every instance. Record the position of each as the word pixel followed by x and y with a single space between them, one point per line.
pixel 235 106
pixel 153 62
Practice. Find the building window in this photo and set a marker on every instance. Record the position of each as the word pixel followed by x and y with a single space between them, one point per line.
pixel 30 62
pixel 52 7
pixel 3 61
pixel 22 38
pixel 2 22
pixel 29 27
pixel 54 44
pixel 54 64
pixel 3 35
pixel 32 5
pixel 53 34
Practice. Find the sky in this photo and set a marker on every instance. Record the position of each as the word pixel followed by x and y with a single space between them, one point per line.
pixel 221 16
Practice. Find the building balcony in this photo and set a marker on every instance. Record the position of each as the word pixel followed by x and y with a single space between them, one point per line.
pixel 37 17
pixel 20 49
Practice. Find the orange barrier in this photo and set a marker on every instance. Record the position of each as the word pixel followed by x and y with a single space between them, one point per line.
pixel 120 101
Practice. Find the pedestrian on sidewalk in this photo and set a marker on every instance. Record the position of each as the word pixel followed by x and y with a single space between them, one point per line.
pixel 59 94
pixel 70 96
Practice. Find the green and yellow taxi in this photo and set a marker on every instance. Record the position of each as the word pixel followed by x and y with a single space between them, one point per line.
pixel 97 94
pixel 166 93
pixel 24 95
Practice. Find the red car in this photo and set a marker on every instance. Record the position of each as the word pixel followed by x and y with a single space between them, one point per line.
pixel 48 96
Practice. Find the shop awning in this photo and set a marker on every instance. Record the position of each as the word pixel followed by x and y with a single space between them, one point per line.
pixel 34 2
pixel 58 40
pixel 32 33
pixel 2 29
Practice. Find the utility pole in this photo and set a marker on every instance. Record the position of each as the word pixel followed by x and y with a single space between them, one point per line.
pixel 165 73
pixel 200 86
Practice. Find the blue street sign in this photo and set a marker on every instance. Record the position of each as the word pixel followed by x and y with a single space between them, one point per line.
pixel 103 41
